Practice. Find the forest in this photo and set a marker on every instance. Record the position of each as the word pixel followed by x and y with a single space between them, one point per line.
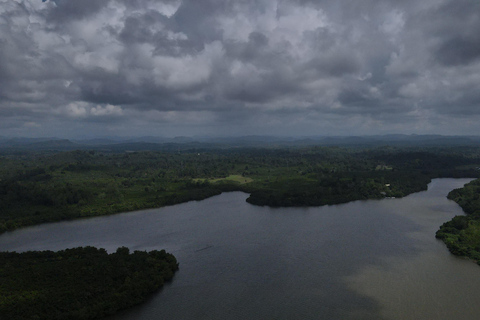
pixel 38 187
pixel 79 283
pixel 462 233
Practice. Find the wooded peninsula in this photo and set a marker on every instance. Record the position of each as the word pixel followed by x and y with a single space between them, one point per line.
pixel 43 187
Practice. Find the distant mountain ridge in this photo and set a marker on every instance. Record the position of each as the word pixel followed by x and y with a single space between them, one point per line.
pixel 122 144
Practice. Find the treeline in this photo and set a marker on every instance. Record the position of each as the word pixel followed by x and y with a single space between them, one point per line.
pixel 462 233
pixel 79 283
pixel 37 188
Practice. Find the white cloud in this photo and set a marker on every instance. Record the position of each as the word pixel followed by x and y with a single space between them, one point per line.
pixel 107 110
pixel 80 109
pixel 393 23
pixel 77 109
pixel 186 71
pixel 166 8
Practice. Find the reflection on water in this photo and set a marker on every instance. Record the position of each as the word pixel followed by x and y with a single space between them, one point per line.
pixel 361 260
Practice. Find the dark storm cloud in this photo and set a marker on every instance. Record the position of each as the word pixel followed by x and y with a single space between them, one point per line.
pixel 455 26
pixel 249 50
pixel 270 66
pixel 459 51
pixel 66 10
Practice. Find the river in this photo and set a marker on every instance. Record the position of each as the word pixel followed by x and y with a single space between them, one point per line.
pixel 375 259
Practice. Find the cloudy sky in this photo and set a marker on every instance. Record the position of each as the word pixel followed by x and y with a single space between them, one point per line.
pixel 71 68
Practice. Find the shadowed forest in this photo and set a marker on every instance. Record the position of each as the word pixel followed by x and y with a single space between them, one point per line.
pixel 79 283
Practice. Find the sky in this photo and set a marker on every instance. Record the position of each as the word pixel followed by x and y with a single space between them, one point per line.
pixel 95 68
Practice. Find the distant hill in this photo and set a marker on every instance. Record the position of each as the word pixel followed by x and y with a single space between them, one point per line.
pixel 40 144
pixel 117 144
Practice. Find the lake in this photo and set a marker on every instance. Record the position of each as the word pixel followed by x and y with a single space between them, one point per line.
pixel 375 259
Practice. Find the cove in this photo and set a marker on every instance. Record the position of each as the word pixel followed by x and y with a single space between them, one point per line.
pixel 375 259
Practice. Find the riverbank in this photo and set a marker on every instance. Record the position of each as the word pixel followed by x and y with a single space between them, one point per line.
pixel 462 234
pixel 359 260
pixel 39 188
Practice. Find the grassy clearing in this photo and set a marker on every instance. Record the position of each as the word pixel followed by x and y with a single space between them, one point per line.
pixel 233 178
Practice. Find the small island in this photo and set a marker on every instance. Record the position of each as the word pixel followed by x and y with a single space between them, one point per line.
pixel 79 283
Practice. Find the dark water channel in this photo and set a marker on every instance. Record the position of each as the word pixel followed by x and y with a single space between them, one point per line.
pixel 361 260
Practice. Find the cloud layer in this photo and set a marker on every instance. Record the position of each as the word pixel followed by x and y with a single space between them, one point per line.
pixel 293 67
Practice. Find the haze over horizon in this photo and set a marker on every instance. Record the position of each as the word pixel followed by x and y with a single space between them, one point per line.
pixel 265 67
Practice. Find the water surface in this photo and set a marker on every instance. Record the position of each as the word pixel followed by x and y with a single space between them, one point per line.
pixel 375 259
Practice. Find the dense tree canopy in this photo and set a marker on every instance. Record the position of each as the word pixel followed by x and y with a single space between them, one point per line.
pixel 462 233
pixel 79 283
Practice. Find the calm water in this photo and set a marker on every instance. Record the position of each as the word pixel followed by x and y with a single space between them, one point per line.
pixel 361 260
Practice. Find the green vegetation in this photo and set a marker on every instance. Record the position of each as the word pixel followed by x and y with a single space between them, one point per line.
pixel 80 283
pixel 41 187
pixel 233 177
pixel 462 233
pixel 339 189
pixel 84 283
